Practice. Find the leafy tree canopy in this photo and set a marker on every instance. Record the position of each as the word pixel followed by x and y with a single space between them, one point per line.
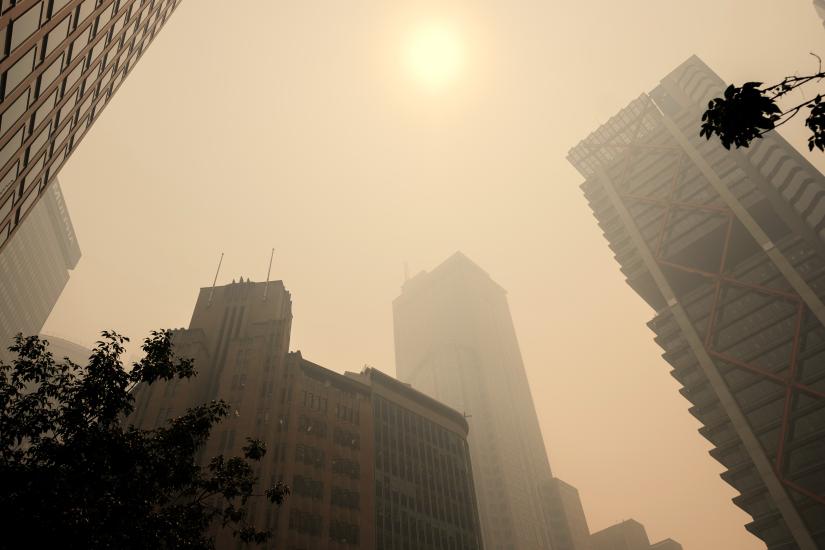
pixel 75 474
pixel 746 113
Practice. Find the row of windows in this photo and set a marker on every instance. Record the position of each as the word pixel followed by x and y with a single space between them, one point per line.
pixel 312 524
pixel 308 487
pixel 346 467
pixel 305 522
pixel 312 426
pixel 346 438
pixel 311 456
pixel 345 498
pixel 398 420
pixel 343 532
pixel 400 531
pixel 319 403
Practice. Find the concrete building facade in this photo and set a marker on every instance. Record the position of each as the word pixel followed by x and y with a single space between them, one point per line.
pixel 371 462
pixel 60 63
pixel 727 248
pixel 61 348
pixel 667 544
pixel 627 535
pixel 35 268
pixel 455 340
pixel 424 491
pixel 565 513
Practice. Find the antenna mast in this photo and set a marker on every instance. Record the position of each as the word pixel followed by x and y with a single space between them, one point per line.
pixel 215 280
pixel 268 271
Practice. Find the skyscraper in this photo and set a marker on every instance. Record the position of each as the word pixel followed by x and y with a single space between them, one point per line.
pixel 372 462
pixel 819 6
pixel 565 513
pixel 629 535
pixel 60 63
pixel 454 340
pixel 35 267
pixel 727 248
pixel 61 348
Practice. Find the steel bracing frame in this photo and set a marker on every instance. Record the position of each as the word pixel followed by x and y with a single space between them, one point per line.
pixel 802 299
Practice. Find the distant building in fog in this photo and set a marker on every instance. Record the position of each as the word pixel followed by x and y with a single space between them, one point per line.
pixel 364 454
pixel 728 247
pixel 61 348
pixel 34 268
pixel 627 535
pixel 819 5
pixel 61 61
pixel 566 516
pixel 667 544
pixel 455 340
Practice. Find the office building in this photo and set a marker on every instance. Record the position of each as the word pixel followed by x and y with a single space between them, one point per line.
pixel 627 535
pixel 819 6
pixel 60 63
pixel 61 348
pixel 35 268
pixel 454 340
pixel 565 514
pixel 424 494
pixel 365 455
pixel 727 248
pixel 667 544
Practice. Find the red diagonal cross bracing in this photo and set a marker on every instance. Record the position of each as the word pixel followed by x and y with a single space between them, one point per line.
pixel 721 278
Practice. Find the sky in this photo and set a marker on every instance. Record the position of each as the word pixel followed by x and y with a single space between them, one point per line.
pixel 310 127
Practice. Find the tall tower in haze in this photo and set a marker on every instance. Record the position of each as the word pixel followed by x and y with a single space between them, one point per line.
pixel 60 63
pixel 454 340
pixel 35 268
pixel 728 248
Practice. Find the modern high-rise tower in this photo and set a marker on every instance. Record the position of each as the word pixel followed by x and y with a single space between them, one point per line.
pixel 60 63
pixel 454 340
pixel 728 248
pixel 34 269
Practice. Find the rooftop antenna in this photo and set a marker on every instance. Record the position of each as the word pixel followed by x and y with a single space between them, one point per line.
pixel 215 280
pixel 266 288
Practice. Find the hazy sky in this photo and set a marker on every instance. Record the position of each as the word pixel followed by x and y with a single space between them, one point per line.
pixel 299 125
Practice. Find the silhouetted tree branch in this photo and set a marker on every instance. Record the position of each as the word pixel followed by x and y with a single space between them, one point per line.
pixel 74 474
pixel 748 112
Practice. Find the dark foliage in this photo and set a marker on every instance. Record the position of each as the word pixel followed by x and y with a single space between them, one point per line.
pixel 74 474
pixel 740 116
pixel 746 113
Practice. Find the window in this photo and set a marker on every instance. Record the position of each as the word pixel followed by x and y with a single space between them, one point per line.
pixel 25 25
pixel 343 532
pixel 307 487
pixel 304 522
pixel 346 438
pixel 345 498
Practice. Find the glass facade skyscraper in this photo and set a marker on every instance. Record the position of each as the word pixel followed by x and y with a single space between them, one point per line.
pixel 60 63
pixel 728 248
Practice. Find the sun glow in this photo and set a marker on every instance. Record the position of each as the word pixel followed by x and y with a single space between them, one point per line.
pixel 434 56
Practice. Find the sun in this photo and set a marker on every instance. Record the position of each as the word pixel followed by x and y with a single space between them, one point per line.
pixel 434 56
